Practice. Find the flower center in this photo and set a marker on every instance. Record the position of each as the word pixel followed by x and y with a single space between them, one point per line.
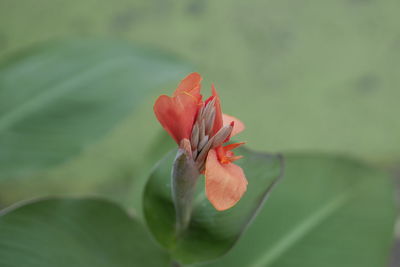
pixel 202 140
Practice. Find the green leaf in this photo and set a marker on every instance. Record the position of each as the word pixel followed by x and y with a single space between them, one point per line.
pixel 157 150
pixel 328 211
pixel 75 232
pixel 58 99
pixel 211 233
pixel 324 65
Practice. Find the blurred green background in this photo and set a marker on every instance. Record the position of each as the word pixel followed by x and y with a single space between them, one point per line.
pixel 319 76
pixel 303 75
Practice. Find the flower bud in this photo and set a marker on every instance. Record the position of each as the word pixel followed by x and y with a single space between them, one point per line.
pixel 184 179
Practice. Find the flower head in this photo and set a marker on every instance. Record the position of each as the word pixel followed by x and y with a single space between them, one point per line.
pixel 200 128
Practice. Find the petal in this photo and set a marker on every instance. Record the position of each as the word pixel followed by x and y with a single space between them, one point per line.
pixel 218 123
pixel 176 115
pixel 233 146
pixel 225 183
pixel 190 85
pixel 238 125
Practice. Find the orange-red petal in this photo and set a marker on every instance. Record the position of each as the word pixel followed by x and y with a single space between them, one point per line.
pixel 176 115
pixel 190 85
pixel 233 146
pixel 225 183
pixel 238 125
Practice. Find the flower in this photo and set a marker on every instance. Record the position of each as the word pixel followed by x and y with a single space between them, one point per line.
pixel 200 127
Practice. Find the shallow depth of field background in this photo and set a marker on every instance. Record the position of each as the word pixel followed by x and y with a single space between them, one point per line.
pixel 320 76
pixel 303 75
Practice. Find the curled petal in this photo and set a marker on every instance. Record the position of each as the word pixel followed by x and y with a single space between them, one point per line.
pixel 190 85
pixel 225 183
pixel 238 126
pixel 176 115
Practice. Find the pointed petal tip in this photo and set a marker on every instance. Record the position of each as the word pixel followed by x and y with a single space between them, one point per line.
pixel 214 90
pixel 233 146
pixel 194 77
pixel 190 84
pixel 238 125
pixel 195 74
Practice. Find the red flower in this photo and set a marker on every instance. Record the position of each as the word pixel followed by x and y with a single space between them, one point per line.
pixel 190 120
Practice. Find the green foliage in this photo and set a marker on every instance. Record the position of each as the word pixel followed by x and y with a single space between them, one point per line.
pixel 58 99
pixel 310 74
pixel 75 232
pixel 211 233
pixel 327 211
